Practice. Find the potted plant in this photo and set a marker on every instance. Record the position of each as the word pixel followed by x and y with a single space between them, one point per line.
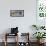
pixel 39 35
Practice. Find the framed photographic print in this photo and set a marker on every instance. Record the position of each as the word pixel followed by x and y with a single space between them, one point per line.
pixel 17 13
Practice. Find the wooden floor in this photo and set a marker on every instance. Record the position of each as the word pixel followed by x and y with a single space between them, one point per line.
pixel 13 44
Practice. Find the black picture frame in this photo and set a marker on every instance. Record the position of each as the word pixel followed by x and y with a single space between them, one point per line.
pixel 17 13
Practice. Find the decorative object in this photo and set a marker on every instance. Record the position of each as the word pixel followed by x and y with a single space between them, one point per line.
pixel 14 30
pixel 17 13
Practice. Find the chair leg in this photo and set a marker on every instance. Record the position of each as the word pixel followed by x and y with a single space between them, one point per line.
pixel 5 40
pixel 5 43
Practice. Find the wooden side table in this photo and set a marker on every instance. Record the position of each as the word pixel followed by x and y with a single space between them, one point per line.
pixel 8 34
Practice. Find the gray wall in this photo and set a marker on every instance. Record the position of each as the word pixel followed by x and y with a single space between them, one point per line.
pixel 24 23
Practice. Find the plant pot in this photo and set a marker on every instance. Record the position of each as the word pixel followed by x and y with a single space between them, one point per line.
pixel 40 41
